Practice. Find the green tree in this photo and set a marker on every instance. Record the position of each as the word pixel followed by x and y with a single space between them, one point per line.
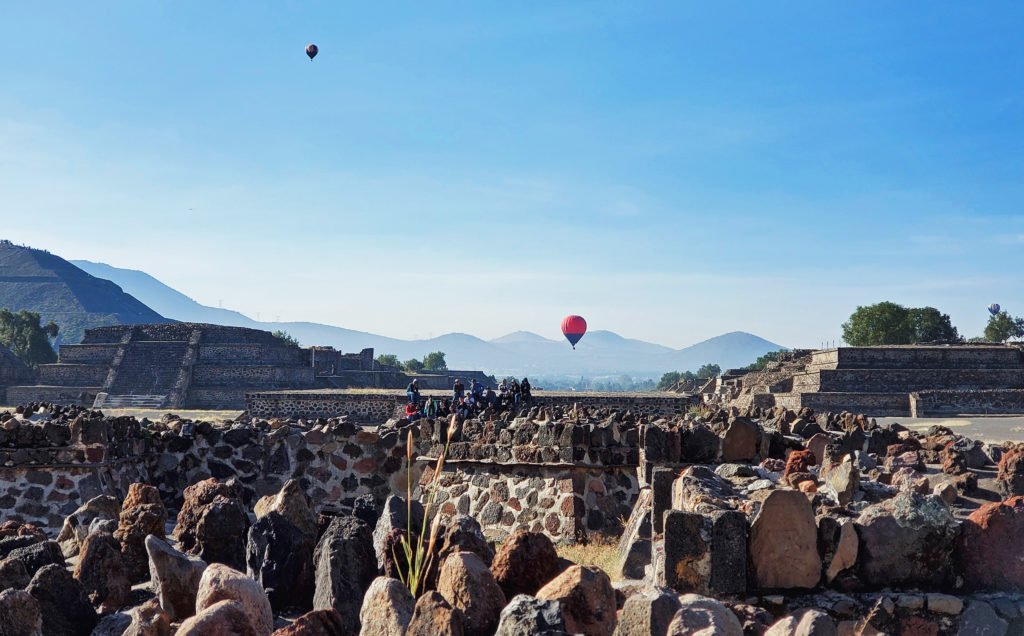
pixel 762 362
pixel 286 338
pixel 31 341
pixel 388 360
pixel 928 324
pixel 884 323
pixel 1002 327
pixel 434 361
pixel 413 365
pixel 887 323
pixel 708 371
pixel 668 380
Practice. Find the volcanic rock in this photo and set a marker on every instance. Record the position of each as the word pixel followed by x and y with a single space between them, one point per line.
pixel 386 609
pixel 433 616
pixel 223 618
pixel 528 616
pixel 326 622
pixel 907 541
pixel 649 611
pixel 62 601
pixel 524 563
pixel 175 578
pixel 344 567
pixel 101 572
pixel 76 525
pixel 279 556
pixel 142 514
pixel 806 622
pixel 19 614
pixel 587 600
pixel 783 542
pixel 467 584
pixel 703 616
pixel 221 583
pixel 990 546
pixel 292 503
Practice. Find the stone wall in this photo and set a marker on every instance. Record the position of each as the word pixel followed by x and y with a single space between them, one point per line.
pixel 224 354
pixel 949 403
pixel 565 479
pixel 72 374
pixel 918 357
pixel 906 380
pixel 376 407
pixel 250 375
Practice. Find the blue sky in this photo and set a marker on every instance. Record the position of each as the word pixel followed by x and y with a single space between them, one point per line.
pixel 670 170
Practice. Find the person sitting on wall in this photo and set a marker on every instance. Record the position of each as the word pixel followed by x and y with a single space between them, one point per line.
pixel 412 412
pixel 464 408
pixel 458 390
pixel 502 387
pixel 524 388
pixel 413 391
pixel 517 393
pixel 477 390
pixel 492 399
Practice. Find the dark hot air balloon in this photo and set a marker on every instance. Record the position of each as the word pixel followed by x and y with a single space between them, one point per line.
pixel 993 308
pixel 573 328
pixel 311 51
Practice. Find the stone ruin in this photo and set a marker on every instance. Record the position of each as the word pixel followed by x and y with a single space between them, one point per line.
pixel 898 381
pixel 761 521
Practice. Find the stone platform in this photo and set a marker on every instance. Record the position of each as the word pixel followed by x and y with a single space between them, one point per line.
pixel 898 381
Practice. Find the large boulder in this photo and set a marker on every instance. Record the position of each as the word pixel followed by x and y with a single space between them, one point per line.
pixel 279 556
pixel 221 583
pixel 19 614
pixel 101 572
pixel 394 519
pixel 524 563
pixel 907 540
pixel 990 551
pixel 213 523
pixel 806 622
pixel 326 622
pixel 467 584
pixel 648 611
pixel 741 440
pixel 174 578
pixel 433 616
pixel 36 556
pixel 63 602
pixel 142 514
pixel 587 600
pixel 784 542
pixel 703 616
pixel 1010 474
pixel 463 533
pixel 345 565
pixel 292 503
pixel 77 525
pixel 386 609
pixel 148 619
pixel 528 616
pixel 223 618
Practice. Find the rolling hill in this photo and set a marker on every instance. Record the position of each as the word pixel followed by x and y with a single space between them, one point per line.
pixel 41 282
pixel 520 352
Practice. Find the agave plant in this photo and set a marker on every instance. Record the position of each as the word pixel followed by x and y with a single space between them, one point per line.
pixel 419 556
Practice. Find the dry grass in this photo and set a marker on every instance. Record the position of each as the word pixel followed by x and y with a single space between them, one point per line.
pixel 600 553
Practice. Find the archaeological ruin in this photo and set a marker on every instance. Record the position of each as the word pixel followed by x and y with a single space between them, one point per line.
pixel 900 381
pixel 196 366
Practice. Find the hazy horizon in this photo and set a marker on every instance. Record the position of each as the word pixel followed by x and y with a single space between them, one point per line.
pixel 671 172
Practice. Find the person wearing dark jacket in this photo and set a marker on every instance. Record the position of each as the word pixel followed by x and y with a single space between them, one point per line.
pixel 413 391
pixel 524 388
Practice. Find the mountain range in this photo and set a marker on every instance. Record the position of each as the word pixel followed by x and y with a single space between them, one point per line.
pixel 521 352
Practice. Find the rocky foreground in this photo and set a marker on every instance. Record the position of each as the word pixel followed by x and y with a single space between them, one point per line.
pixel 747 523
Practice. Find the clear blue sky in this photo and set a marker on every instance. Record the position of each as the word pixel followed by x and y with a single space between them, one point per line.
pixel 669 170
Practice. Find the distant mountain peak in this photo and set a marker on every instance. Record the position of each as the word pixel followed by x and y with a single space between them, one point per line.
pixel 520 337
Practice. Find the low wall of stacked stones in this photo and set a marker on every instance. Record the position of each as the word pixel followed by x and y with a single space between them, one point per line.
pixel 919 357
pixel 377 407
pixel 947 403
pixel 72 374
pixel 565 481
pixel 906 380
pixel 251 353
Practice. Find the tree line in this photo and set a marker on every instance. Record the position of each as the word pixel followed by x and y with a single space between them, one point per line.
pixel 431 362
pixel 888 323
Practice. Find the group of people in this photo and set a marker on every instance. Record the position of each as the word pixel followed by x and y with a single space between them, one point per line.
pixel 510 394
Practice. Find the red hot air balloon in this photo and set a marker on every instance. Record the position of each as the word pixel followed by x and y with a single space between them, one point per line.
pixel 573 328
pixel 311 51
